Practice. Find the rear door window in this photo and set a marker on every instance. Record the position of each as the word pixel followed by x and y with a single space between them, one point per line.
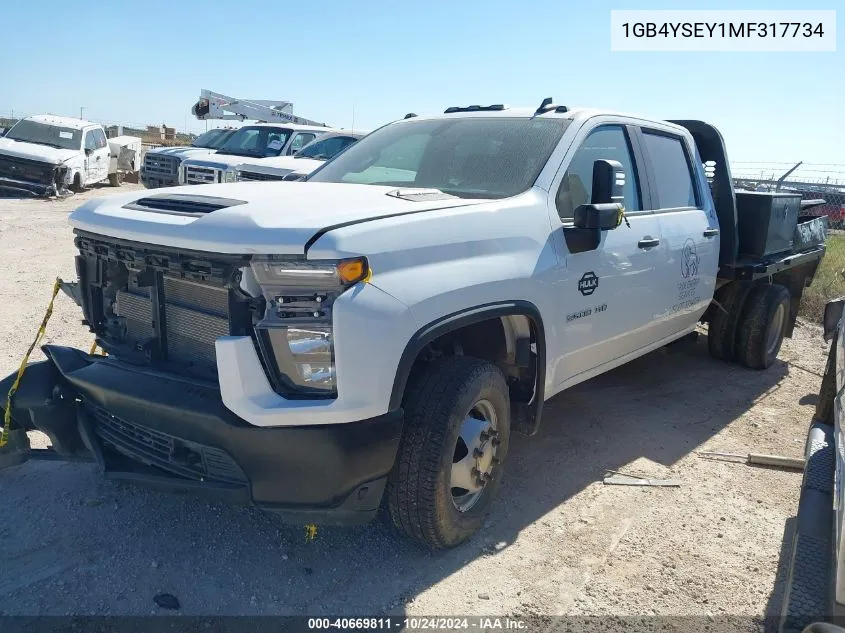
pixel 672 169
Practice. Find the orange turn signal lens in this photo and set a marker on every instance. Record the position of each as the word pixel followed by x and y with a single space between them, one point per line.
pixel 352 271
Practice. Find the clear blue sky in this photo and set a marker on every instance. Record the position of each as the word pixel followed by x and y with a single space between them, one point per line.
pixel 146 61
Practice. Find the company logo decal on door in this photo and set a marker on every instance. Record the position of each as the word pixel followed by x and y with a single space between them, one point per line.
pixel 689 260
pixel 688 296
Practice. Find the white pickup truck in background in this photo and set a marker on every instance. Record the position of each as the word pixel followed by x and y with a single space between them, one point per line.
pixel 251 144
pixel 45 155
pixel 302 163
pixel 161 165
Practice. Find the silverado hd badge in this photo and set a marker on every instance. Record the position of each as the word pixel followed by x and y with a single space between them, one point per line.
pixel 588 283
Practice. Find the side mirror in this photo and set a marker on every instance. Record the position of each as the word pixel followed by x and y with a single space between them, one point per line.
pixel 608 182
pixel 604 217
pixel 832 316
pixel 605 210
pixel 88 151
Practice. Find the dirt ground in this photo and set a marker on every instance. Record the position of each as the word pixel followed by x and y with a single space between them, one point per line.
pixel 558 542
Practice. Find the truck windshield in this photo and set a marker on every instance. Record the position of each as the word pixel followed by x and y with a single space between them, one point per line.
pixel 325 148
pixel 255 141
pixel 471 157
pixel 213 139
pixel 45 134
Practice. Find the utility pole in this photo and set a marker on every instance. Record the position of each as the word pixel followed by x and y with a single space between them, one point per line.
pixel 81 108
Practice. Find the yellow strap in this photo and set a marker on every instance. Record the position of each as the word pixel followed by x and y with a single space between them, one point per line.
pixel 310 532
pixel 42 329
pixel 7 415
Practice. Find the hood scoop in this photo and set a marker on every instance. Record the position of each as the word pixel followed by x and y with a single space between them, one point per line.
pixel 420 195
pixel 182 204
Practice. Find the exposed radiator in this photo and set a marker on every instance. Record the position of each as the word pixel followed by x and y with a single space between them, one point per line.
pixel 196 315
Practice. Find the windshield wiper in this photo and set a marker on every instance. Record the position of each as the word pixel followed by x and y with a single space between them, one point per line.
pixel 23 140
pixel 232 152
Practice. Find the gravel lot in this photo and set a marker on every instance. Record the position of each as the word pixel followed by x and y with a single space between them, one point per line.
pixel 559 541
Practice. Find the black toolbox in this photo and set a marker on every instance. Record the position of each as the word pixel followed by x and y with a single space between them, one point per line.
pixel 766 222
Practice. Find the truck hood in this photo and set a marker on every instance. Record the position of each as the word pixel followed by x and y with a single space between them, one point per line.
pixel 282 166
pixel 250 217
pixel 222 161
pixel 185 151
pixel 34 151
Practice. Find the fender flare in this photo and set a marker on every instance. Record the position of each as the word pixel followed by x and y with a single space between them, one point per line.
pixel 463 318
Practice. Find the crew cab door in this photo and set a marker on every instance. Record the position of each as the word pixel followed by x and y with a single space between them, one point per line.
pixel 688 225
pixel 607 294
pixel 96 156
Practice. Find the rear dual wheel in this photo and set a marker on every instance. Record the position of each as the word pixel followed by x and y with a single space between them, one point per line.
pixel 749 323
pixel 762 327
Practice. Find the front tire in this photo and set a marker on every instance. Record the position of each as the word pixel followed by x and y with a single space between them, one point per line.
pixel 449 467
pixel 77 186
pixel 762 326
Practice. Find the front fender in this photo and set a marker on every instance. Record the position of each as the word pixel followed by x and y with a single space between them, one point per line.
pixel 74 166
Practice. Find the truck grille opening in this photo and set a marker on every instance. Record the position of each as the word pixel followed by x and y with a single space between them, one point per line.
pixel 156 166
pixel 195 314
pixel 195 175
pixel 163 307
pixel 167 452
pixel 26 170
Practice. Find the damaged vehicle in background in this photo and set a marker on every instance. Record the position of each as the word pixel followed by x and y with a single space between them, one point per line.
pixel 46 155
pixel 161 165
pixel 303 162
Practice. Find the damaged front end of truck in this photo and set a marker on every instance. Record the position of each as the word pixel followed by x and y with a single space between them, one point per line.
pixel 156 314
pixel 32 178
pixel 150 409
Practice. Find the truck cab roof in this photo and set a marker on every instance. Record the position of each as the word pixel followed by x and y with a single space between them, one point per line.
pixel 61 121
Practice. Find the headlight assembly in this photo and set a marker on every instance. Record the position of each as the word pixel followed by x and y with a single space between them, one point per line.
pixel 295 336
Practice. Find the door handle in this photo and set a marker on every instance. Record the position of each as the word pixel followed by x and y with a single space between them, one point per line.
pixel 711 232
pixel 648 242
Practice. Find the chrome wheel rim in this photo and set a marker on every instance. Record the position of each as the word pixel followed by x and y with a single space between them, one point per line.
pixel 474 455
pixel 775 329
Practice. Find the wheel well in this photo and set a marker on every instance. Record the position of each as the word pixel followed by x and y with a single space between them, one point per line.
pixel 515 343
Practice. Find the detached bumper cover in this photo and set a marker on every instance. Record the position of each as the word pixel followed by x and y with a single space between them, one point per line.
pixel 159 429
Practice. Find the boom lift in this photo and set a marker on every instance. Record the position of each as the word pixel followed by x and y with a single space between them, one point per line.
pixel 213 105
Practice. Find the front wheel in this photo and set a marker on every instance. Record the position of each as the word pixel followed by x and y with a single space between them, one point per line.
pixel 76 186
pixel 457 430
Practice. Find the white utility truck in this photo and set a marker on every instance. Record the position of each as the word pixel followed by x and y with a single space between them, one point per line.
pixel 376 333
pixel 277 133
pixel 302 163
pixel 45 155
